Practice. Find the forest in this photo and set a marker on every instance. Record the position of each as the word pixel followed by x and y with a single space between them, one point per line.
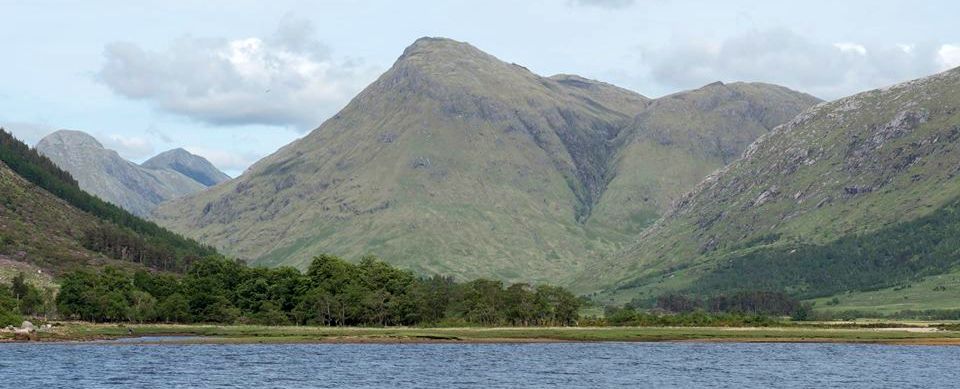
pixel 332 292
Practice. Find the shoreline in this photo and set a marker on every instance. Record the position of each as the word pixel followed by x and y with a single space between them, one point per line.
pixel 127 334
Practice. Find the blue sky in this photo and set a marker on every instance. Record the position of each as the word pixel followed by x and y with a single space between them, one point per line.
pixel 235 80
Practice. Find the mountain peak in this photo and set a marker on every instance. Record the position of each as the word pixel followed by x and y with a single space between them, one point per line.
pixel 443 56
pixel 438 45
pixel 72 137
pixel 191 165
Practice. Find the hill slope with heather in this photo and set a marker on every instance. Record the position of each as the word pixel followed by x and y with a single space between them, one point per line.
pixel 456 162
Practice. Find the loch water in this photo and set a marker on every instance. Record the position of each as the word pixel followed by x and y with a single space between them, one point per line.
pixel 545 365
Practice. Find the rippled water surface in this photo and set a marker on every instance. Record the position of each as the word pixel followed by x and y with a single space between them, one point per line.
pixel 630 365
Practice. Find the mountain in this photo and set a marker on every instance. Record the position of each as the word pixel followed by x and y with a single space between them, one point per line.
pixel 854 194
pixel 106 174
pixel 47 221
pixel 190 165
pixel 456 162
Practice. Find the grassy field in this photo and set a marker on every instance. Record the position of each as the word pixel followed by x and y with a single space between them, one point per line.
pixel 934 292
pixel 263 334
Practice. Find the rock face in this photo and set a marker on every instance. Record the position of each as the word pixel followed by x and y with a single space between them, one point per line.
pixel 455 162
pixel 848 166
pixel 190 165
pixel 104 173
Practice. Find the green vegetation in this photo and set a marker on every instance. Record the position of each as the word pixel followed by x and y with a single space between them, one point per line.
pixel 632 317
pixel 119 234
pixel 8 308
pixel 22 299
pixel 893 255
pixel 333 292
pixel 938 294
pixel 307 334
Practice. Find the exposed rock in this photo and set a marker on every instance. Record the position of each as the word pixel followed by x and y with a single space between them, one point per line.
pixel 768 194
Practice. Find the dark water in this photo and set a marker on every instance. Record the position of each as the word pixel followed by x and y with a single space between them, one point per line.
pixel 589 365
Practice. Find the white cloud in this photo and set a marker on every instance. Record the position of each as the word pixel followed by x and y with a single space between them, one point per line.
pixel 288 78
pixel 612 4
pixel 948 56
pixel 129 147
pixel 780 56
pixel 848 47
pixel 30 133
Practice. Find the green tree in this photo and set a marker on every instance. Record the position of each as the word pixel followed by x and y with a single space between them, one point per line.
pixel 143 307
pixel 174 309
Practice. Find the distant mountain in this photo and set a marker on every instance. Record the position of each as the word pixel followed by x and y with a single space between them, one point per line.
pixel 852 194
pixel 46 220
pixel 106 174
pixel 458 163
pixel 190 165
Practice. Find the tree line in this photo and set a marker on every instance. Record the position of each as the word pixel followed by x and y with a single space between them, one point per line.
pixel 747 302
pixel 123 235
pixel 332 292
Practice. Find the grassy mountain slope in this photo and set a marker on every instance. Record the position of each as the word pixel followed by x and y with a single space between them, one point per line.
pixel 679 139
pixel 847 168
pixel 452 162
pixel 48 221
pixel 107 175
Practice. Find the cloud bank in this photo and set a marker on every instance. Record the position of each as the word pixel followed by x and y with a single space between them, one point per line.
pixel 826 69
pixel 286 79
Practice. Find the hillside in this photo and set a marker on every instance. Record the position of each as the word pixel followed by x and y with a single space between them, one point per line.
pixel 837 199
pixel 455 162
pixel 48 222
pixel 104 173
